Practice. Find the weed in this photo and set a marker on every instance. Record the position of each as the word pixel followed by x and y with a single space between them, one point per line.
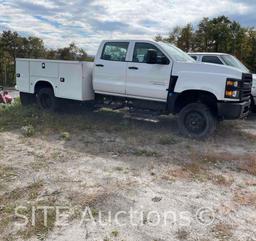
pixel 106 239
pixel 222 231
pixel 28 131
pixel 168 140
pixel 182 234
pixel 114 233
pixel 7 173
pixel 119 169
pixel 145 152
pixel 65 136
pixel 245 198
pixel 8 202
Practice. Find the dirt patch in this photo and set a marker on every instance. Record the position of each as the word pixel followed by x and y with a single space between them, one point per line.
pixel 100 160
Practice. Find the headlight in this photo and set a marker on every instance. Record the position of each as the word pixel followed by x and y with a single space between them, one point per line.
pixel 232 89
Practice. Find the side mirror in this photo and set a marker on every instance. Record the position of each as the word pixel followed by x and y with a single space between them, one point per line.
pixel 164 61
pixel 152 56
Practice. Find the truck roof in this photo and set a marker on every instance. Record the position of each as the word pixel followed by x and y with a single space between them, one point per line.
pixel 207 53
pixel 129 40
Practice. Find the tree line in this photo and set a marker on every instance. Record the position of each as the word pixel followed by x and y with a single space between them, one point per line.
pixel 13 46
pixel 219 34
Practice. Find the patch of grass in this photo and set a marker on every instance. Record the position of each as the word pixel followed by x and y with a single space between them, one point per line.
pixel 119 169
pixel 244 162
pixel 39 229
pixel 81 200
pixel 15 116
pixel 28 194
pixel 106 239
pixel 95 212
pixel 222 231
pixel 7 173
pixel 145 152
pixel 57 156
pixel 182 234
pixel 198 172
pixel 221 180
pixel 168 140
pixel 65 136
pixel 28 131
pixel 245 198
pixel 248 165
pixel 114 233
pixel 39 164
pixel 189 171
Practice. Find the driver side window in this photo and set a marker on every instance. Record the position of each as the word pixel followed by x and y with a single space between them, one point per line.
pixel 141 51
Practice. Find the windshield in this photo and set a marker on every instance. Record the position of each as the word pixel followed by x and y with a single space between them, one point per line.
pixel 234 62
pixel 176 53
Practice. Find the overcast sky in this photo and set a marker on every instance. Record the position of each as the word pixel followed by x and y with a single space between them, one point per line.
pixel 87 22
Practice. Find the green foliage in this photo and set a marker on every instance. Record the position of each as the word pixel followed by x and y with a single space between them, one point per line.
pixel 65 136
pixel 13 46
pixel 219 34
pixel 28 130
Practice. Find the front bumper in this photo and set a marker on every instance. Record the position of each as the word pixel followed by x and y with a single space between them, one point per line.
pixel 233 110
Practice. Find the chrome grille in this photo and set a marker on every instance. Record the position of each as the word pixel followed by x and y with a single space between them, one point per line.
pixel 245 87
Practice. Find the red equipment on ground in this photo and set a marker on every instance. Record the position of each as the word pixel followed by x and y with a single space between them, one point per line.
pixel 5 98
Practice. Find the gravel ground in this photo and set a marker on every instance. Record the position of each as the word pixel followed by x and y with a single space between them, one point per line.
pixel 156 185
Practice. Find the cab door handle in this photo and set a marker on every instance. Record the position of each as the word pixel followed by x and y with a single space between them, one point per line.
pixel 134 68
pixel 99 65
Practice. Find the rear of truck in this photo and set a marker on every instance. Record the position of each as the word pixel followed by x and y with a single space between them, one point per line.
pixel 37 78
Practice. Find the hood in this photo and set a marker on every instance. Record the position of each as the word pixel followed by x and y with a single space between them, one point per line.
pixel 215 69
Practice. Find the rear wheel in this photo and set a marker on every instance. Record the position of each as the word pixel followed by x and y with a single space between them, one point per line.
pixel 196 121
pixel 27 99
pixel 46 99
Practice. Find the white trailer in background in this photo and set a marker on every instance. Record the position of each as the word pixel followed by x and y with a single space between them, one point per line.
pixel 142 75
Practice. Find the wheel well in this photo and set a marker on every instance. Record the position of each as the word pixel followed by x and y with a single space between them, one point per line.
pixel 42 84
pixel 192 96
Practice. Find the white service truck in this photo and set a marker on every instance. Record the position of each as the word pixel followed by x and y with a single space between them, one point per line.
pixel 229 60
pixel 142 75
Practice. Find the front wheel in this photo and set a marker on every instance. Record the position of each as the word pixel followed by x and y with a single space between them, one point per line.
pixel 253 105
pixel 196 121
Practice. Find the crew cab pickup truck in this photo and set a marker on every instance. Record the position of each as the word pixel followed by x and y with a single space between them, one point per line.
pixel 229 60
pixel 142 75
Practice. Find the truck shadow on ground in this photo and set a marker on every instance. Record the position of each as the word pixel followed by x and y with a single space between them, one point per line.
pixel 122 118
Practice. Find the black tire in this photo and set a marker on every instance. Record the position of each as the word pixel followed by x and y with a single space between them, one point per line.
pixel 196 121
pixel 253 106
pixel 27 99
pixel 46 99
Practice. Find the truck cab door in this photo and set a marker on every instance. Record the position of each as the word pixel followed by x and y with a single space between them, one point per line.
pixel 145 80
pixel 109 75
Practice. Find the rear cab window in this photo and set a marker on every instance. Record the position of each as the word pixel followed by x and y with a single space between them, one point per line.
pixel 115 51
pixel 194 57
pixel 211 59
